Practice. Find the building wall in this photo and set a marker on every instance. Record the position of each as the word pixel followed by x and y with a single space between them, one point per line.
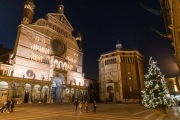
pixel 172 24
pixel 123 74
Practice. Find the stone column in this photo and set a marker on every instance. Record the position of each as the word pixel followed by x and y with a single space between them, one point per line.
pixel 30 97
pixel 49 96
pixel 7 94
pixel 40 95
pixel 70 94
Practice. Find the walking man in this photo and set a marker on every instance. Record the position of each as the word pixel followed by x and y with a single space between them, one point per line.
pixel 86 105
pixel 76 104
pixel 94 105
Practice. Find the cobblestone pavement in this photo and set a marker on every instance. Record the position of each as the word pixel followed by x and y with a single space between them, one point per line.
pixel 66 111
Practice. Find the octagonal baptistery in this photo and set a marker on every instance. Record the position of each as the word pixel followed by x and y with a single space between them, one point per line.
pixel 121 75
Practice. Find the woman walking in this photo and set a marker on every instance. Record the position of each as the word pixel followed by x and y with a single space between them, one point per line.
pixel 94 105
pixel 86 106
pixel 80 106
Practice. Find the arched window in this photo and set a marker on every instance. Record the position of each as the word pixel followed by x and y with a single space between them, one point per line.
pixel 55 63
pixel 60 64
pixel 65 66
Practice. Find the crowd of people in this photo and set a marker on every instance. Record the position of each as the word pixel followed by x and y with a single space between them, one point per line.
pixel 7 107
pixel 86 105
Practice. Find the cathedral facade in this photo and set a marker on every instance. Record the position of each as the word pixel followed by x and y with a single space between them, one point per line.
pixel 46 60
pixel 121 75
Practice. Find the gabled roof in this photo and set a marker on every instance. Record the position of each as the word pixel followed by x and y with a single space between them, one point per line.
pixel 61 18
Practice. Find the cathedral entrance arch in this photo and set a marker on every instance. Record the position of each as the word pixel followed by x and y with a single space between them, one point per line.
pixel 110 94
pixel 57 88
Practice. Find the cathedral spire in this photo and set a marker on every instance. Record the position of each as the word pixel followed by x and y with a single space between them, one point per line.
pixel 61 8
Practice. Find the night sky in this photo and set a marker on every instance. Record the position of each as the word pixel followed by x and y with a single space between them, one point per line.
pixel 101 23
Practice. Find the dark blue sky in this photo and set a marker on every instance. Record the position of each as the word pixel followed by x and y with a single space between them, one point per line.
pixel 101 23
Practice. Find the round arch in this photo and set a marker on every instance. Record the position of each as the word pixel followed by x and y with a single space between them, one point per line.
pixel 45 93
pixel 110 94
pixel 36 93
pixel 58 88
pixel 3 91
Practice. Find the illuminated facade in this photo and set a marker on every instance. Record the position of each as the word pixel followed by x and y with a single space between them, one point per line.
pixel 46 60
pixel 121 75
pixel 172 24
pixel 173 85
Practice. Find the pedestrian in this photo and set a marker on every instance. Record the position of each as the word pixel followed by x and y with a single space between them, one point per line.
pixel 95 106
pixel 7 104
pixel 76 104
pixel 80 106
pixel 11 106
pixel 86 105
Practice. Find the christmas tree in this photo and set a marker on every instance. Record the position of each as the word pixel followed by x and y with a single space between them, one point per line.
pixel 155 93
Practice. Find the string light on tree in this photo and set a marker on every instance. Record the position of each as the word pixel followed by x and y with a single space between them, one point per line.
pixel 155 94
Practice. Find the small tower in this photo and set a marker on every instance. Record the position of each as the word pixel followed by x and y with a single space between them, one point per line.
pixel 28 12
pixel 79 40
pixel 118 46
pixel 61 8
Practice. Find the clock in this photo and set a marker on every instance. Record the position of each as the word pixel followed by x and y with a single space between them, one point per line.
pixel 58 47
pixel 29 73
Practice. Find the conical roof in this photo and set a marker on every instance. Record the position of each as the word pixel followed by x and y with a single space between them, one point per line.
pixel 78 34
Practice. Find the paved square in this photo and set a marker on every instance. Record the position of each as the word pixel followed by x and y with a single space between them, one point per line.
pixel 66 111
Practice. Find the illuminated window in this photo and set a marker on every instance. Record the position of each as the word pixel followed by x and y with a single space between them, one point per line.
pixel 130 89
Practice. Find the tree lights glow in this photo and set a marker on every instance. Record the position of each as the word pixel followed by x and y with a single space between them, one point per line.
pixel 155 91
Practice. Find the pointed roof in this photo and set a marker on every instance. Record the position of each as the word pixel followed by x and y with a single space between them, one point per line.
pixel 78 34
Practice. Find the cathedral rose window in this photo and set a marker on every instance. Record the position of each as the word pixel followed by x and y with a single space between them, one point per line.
pixel 58 47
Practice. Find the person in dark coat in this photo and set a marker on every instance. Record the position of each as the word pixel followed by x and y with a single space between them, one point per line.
pixel 11 106
pixel 76 102
pixel 94 105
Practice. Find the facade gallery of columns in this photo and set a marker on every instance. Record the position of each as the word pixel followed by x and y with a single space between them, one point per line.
pixel 121 75
pixel 46 63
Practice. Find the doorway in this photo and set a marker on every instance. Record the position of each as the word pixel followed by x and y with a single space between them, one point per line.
pixel 26 97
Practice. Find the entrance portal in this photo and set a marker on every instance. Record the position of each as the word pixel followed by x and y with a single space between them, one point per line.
pixel 57 88
pixel 110 94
